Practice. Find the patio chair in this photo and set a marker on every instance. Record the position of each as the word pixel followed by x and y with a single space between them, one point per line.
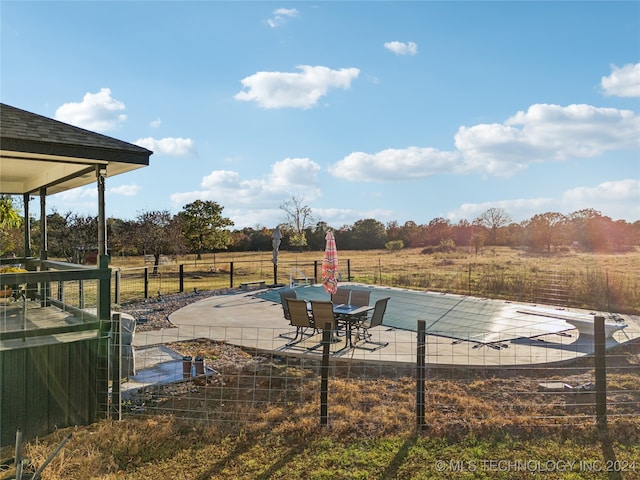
pixel 322 312
pixel 374 320
pixel 299 318
pixel 341 296
pixel 287 293
pixel 284 294
pixel 360 297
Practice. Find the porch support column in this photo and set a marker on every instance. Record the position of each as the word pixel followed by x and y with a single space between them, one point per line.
pixel 104 287
pixel 43 223
pixel 101 173
pixel 44 286
pixel 27 225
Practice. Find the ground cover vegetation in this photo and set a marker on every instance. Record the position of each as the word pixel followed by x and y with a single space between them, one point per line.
pixel 477 426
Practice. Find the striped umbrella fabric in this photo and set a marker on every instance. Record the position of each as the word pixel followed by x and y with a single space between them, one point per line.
pixel 330 264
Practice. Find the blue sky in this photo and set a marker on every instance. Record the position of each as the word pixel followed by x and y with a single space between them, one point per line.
pixel 387 110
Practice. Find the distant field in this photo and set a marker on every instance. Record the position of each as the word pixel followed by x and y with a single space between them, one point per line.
pixel 600 281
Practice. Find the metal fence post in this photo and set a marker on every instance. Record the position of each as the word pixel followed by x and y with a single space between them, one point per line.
pixel 601 371
pixel 420 387
pixel 80 294
pixel 230 274
pixel 116 366
pixel 348 270
pixel 181 278
pixel 324 373
pixel 118 276
pixel 146 282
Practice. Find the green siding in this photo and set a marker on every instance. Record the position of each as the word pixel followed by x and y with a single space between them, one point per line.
pixel 51 386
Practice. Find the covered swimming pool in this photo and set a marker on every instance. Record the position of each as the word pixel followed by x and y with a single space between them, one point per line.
pixel 470 319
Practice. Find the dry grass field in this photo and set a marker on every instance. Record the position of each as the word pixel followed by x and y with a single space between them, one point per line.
pixel 609 282
pixel 371 434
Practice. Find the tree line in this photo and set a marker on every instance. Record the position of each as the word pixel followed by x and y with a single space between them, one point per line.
pixel 201 227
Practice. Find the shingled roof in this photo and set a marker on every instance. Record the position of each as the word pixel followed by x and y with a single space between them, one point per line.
pixel 36 152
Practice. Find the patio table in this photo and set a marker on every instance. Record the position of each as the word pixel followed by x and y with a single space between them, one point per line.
pixel 349 315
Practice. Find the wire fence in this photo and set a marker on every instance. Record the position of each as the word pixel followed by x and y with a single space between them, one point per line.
pixel 236 375
pixel 588 287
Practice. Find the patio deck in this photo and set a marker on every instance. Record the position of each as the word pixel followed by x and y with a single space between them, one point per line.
pixel 254 320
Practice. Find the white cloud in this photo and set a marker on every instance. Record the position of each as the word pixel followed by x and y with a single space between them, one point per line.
pixel 627 190
pixel 401 48
pixel 97 111
pixel 518 209
pixel 291 176
pixel 155 123
pixel 617 199
pixel 280 17
pixel 125 190
pixel 544 133
pixel 295 90
pixel 76 195
pixel 168 145
pixel 395 164
pixel 623 82
pixel 338 217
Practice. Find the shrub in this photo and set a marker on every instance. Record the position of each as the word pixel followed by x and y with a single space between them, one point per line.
pixel 394 245
pixel 446 245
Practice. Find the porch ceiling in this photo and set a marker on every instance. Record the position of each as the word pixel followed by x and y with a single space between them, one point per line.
pixel 37 151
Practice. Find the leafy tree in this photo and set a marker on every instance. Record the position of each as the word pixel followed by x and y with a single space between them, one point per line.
pixel 513 234
pixel 368 234
pixel 438 230
pixel 70 235
pixel 118 236
pixel 240 241
pixel 10 221
pixel 590 229
pixel 297 218
pixel 410 234
pixel 9 216
pixel 316 236
pixel 261 240
pixel 462 232
pixel 493 219
pixel 204 227
pixel 344 238
pixel 478 236
pixel 157 233
pixel 546 230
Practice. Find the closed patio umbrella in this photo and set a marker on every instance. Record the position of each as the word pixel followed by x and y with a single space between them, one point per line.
pixel 276 239
pixel 330 264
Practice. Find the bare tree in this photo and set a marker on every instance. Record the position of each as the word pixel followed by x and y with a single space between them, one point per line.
pixel 493 219
pixel 298 218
